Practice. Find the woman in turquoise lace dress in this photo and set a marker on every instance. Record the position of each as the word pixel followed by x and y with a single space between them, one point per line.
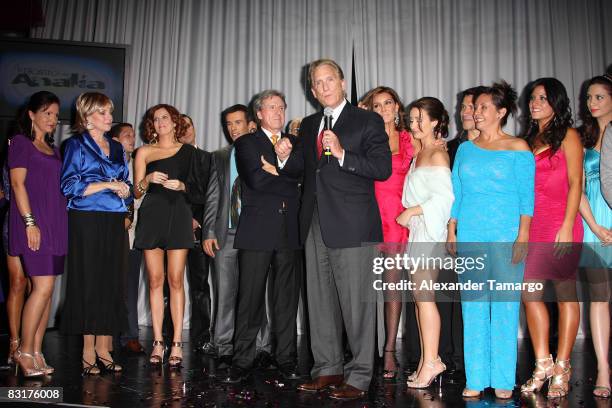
pixel 597 215
pixel 493 183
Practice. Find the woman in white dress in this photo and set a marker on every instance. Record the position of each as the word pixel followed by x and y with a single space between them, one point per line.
pixel 428 197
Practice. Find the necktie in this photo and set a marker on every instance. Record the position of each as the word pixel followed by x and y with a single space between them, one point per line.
pixel 274 139
pixel 320 144
pixel 235 203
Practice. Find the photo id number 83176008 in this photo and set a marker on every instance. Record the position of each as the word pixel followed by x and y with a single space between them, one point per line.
pixel 32 394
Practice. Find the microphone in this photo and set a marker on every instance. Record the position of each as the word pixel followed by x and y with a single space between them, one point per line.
pixel 327 125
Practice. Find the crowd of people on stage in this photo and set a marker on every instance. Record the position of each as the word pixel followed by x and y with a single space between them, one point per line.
pixel 278 216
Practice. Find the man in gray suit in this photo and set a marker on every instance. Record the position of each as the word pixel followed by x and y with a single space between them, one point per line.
pixel 218 232
pixel 339 220
pixel 605 165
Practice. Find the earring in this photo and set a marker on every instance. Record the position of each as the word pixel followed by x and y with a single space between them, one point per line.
pixel 89 125
pixel 153 140
pixel 32 130
pixel 397 119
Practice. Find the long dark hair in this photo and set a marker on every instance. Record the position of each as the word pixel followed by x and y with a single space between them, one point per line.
pixel 555 130
pixel 435 110
pixel 590 131
pixel 38 101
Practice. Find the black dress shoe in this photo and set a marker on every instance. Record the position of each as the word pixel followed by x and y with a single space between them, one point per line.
pixel 289 372
pixel 210 349
pixel 264 360
pixel 224 362
pixel 235 375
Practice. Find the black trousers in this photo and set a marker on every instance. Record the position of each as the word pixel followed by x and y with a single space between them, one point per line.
pixel 254 267
pixel 198 264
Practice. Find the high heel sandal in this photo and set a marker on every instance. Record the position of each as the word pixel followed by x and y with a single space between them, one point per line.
pixel 12 350
pixel 90 368
pixel 27 372
pixel 559 385
pixel 389 375
pixel 415 373
pixel 175 361
pixel 471 395
pixel 436 376
pixel 46 368
pixel 503 394
pixel 541 374
pixel 604 394
pixel 109 365
pixel 157 359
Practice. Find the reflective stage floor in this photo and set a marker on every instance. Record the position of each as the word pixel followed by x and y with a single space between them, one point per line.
pixel 197 385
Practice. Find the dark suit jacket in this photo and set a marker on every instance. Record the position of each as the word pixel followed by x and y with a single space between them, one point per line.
pixel 197 209
pixel 266 199
pixel 348 211
pixel 216 210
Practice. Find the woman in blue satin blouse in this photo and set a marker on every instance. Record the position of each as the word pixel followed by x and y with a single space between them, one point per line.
pixel 95 180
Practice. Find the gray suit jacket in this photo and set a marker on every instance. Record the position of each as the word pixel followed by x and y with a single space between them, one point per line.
pixel 216 211
pixel 605 165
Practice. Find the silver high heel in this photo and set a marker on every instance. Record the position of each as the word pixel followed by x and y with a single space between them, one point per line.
pixel 46 368
pixel 437 376
pixel 27 372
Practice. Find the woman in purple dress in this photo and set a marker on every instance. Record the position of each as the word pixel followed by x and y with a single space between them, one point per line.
pixel 37 222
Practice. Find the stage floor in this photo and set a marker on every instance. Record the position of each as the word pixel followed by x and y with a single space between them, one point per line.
pixel 196 384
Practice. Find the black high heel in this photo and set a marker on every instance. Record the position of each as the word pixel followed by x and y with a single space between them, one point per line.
pixel 109 365
pixel 391 375
pixel 90 368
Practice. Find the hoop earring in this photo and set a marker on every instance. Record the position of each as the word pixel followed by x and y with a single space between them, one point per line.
pixel 89 125
pixel 153 140
pixel 397 119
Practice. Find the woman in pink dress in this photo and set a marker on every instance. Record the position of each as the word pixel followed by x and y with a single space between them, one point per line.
pixel 386 103
pixel 555 233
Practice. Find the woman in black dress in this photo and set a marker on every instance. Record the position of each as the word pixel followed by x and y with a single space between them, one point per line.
pixel 161 170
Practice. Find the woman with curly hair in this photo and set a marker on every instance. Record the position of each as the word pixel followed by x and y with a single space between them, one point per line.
pixel 597 215
pixel 161 170
pixel 554 227
pixel 385 101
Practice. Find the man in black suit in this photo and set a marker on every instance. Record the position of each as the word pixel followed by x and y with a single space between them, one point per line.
pixel 339 221
pixel 198 264
pixel 219 230
pixel 267 239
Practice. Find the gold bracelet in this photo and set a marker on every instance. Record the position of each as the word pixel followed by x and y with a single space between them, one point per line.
pixel 140 188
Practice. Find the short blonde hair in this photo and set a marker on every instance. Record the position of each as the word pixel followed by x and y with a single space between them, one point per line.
pixel 323 61
pixel 86 104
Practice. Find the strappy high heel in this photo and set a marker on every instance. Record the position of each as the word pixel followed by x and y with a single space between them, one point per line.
pixel 605 391
pixel 390 375
pixel 175 361
pixel 27 372
pixel 157 359
pixel 109 365
pixel 415 373
pixel 437 376
pixel 90 368
pixel 46 368
pixel 541 374
pixel 13 346
pixel 559 385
